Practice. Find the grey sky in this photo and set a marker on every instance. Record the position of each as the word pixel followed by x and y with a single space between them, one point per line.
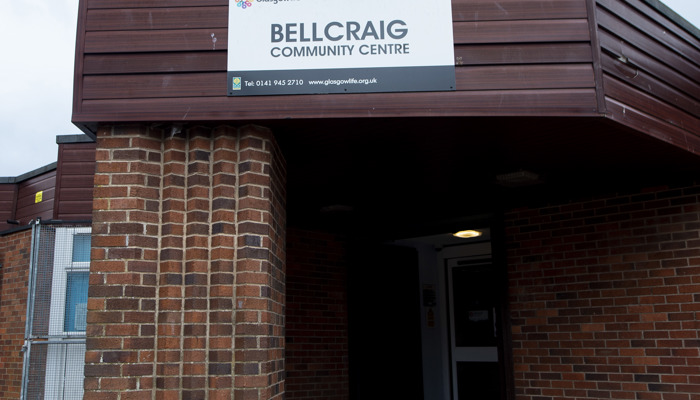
pixel 38 47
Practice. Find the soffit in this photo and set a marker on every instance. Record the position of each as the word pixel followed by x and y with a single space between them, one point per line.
pixel 441 168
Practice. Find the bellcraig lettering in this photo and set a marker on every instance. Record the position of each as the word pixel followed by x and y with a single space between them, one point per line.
pixel 335 31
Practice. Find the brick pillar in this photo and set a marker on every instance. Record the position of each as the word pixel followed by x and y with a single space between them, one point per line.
pixel 187 278
pixel 260 280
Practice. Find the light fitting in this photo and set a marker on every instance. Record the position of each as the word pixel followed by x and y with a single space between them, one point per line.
pixel 520 178
pixel 467 234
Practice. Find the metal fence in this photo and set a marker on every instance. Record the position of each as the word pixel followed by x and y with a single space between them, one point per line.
pixel 54 350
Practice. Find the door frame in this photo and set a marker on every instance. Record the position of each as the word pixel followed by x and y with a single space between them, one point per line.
pixel 480 250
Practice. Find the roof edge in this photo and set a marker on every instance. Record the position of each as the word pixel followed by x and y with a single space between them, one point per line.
pixel 15 230
pixel 77 138
pixel 674 16
pixel 31 174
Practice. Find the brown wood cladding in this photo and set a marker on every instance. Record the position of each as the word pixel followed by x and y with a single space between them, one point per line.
pixel 27 208
pixel 652 126
pixel 651 69
pixel 490 10
pixel 641 100
pixel 551 31
pixel 156 41
pixel 632 36
pixel 7 200
pixel 8 196
pixel 93 4
pixel 166 60
pixel 175 62
pixel 562 102
pixel 524 53
pixel 159 18
pixel 154 62
pixel 641 80
pixel 214 84
pixel 462 10
pixel 641 62
pixel 75 181
pixel 67 189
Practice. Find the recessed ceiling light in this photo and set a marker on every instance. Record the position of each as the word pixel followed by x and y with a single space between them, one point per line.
pixel 336 208
pixel 467 234
pixel 520 178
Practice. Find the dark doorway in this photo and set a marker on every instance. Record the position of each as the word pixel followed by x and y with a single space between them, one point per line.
pixel 384 324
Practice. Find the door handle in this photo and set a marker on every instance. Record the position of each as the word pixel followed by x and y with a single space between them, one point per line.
pixel 495 326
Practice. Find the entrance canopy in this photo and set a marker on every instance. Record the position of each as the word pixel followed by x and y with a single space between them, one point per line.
pixel 424 169
pixel 567 95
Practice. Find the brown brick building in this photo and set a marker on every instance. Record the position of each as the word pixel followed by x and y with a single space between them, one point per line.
pixel 300 246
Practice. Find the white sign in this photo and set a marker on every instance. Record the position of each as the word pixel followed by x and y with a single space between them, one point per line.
pixel 339 46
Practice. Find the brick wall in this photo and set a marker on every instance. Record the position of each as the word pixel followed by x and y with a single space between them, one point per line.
pixel 187 278
pixel 605 297
pixel 317 316
pixel 14 271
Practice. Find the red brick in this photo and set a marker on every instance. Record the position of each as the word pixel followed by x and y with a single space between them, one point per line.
pixel 157 265
pixel 656 298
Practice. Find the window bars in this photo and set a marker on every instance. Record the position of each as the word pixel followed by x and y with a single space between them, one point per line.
pixel 54 346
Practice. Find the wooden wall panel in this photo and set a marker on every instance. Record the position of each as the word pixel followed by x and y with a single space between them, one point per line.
pixel 490 10
pixel 566 102
pixel 77 153
pixel 651 105
pixel 167 59
pixel 75 181
pixel 647 43
pixel 67 189
pixel 651 67
pixel 652 126
pixel 550 31
pixel 150 86
pixel 525 77
pixel 157 19
pixel 214 84
pixel 462 10
pixel 8 195
pixel 131 63
pixel 27 208
pixel 76 210
pixel 631 17
pixel 94 4
pixel 156 41
pixel 668 24
pixel 643 81
pixel 524 53
pixel 641 61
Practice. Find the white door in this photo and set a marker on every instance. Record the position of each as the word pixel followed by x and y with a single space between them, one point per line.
pixel 473 319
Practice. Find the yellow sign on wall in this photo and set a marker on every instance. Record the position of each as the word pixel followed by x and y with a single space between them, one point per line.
pixel 39 197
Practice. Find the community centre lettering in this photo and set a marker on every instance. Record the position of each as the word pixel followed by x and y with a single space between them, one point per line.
pixel 335 31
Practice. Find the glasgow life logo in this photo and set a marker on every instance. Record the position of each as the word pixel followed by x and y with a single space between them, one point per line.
pixel 243 4
pixel 236 83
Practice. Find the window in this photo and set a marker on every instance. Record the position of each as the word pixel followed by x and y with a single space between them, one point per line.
pixel 54 350
pixel 81 247
pixel 70 282
pixel 76 302
pixel 65 354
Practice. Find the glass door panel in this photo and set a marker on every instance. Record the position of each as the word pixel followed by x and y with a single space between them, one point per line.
pixel 473 296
